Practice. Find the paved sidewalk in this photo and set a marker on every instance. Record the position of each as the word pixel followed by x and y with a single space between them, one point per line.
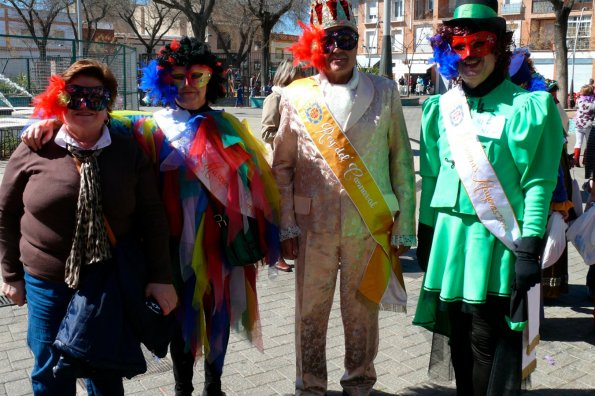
pixel 566 354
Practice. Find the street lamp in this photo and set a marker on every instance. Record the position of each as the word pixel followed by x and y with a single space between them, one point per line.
pixel 578 26
pixel 365 47
pixel 386 60
pixel 79 27
pixel 368 48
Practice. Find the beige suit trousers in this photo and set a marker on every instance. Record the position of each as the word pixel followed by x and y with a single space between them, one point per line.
pixel 321 258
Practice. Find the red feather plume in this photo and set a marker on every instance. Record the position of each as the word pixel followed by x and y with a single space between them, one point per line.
pixel 52 102
pixel 309 47
pixel 175 45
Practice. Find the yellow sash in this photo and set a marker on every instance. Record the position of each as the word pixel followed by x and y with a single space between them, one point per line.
pixel 356 179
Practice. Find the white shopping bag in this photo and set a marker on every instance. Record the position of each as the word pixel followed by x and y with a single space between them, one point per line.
pixel 582 235
pixel 556 240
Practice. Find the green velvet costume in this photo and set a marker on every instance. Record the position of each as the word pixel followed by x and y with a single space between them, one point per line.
pixel 467 263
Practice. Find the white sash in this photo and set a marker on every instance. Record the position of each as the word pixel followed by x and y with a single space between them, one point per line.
pixel 475 170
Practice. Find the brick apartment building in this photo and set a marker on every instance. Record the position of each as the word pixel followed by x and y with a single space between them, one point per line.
pixel 532 22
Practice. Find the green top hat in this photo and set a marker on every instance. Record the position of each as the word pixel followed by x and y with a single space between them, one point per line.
pixel 478 14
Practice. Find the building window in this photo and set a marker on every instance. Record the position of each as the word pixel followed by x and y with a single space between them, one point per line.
pixel 584 32
pixel 398 9
pixel 541 34
pixel 355 8
pixel 424 9
pixel 223 40
pixel 422 44
pixel 371 11
pixel 397 40
pixel 371 42
pixel 515 28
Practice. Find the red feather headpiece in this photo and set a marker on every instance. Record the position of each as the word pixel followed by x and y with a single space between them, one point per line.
pixel 53 101
pixel 309 47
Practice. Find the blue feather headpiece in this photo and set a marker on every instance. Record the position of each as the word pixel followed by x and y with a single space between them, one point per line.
pixel 521 71
pixel 156 82
pixel 445 57
pixel 537 83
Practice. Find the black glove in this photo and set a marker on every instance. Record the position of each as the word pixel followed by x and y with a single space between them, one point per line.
pixel 425 235
pixel 528 266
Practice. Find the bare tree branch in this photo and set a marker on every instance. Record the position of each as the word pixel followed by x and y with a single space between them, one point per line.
pixel 234 17
pixel 268 13
pixel 38 16
pixel 152 24
pixel 198 13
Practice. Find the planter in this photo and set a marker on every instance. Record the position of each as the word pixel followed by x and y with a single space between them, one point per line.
pixel 409 101
pixel 20 101
pixel 257 101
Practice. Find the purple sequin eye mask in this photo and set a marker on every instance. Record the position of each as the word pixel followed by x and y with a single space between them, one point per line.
pixel 345 39
pixel 91 98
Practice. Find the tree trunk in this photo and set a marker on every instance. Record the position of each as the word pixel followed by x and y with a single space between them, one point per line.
pixel 561 50
pixel 42 47
pixel 198 27
pixel 266 55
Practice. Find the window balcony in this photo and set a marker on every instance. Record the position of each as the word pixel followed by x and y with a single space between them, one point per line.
pixel 397 47
pixel 542 7
pixel 371 19
pixel 511 9
pixel 423 14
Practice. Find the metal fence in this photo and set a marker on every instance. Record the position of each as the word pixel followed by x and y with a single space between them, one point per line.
pixel 25 68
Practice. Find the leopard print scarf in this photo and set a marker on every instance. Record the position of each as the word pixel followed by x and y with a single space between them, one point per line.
pixel 90 244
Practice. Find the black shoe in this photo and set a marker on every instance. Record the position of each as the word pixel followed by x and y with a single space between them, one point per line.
pixel 207 393
pixel 213 390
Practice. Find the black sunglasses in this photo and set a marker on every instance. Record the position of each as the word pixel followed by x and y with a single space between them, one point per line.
pixel 345 39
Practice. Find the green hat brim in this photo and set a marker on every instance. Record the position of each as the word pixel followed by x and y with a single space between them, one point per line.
pixel 496 25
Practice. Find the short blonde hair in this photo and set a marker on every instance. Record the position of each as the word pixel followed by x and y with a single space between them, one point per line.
pixel 95 69
pixel 586 90
pixel 286 73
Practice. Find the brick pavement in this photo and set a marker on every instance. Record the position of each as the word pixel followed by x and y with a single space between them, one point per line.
pixel 567 337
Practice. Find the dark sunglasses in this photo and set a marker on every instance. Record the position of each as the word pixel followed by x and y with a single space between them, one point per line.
pixel 345 39
pixel 92 98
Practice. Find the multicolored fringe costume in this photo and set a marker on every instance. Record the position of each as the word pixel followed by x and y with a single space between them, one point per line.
pixel 210 164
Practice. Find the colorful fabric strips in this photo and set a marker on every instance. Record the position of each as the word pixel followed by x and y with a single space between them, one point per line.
pixel 210 163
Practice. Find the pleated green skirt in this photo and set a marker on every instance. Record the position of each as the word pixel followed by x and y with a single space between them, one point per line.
pixel 467 267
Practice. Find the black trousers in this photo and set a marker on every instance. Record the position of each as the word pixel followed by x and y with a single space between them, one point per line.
pixel 183 364
pixel 183 367
pixel 486 353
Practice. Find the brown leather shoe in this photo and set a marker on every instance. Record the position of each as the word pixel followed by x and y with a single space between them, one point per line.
pixel 283 266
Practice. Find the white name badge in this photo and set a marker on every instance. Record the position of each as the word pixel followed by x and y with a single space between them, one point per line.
pixel 489 125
